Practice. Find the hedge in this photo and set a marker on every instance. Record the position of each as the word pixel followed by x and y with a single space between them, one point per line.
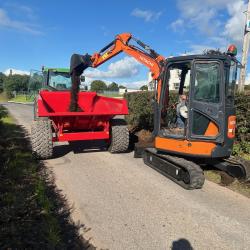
pixel 242 142
pixel 141 116
pixel 141 111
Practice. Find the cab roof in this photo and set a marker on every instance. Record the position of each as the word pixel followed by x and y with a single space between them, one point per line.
pixel 223 57
pixel 59 70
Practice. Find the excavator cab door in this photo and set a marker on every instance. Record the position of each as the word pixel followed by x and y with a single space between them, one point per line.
pixel 206 101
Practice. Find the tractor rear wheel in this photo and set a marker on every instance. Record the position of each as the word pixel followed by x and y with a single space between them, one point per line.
pixel 41 139
pixel 119 141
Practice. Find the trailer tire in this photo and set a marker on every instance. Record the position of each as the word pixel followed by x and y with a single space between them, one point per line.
pixel 119 141
pixel 41 139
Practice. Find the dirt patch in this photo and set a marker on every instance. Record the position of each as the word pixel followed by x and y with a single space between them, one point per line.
pixel 144 136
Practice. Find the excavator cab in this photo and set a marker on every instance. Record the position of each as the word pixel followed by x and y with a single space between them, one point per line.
pixel 204 100
pixel 206 83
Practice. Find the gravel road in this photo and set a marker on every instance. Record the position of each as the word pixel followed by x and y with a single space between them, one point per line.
pixel 127 205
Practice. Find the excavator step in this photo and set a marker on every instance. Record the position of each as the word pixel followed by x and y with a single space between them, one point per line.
pixel 185 173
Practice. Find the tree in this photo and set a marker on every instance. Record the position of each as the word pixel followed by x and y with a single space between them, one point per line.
pixel 16 83
pixel 122 87
pixel 2 79
pixel 144 87
pixel 98 86
pixel 113 87
pixel 36 81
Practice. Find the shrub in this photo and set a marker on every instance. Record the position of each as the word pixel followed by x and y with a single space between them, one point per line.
pixel 141 111
pixel 242 143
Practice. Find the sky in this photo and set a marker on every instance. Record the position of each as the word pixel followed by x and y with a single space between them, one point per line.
pixel 36 33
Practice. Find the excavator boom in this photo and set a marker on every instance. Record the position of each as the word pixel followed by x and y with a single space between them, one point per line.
pixel 143 54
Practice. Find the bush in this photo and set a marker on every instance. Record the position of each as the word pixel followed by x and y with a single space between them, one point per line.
pixel 141 111
pixel 3 113
pixel 242 142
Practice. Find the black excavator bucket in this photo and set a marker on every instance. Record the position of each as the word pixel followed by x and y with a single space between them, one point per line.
pixel 78 63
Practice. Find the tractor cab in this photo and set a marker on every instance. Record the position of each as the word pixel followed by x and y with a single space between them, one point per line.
pixel 199 119
pixel 57 78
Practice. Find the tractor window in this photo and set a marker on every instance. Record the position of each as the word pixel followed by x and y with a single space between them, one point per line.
pixel 207 82
pixel 59 80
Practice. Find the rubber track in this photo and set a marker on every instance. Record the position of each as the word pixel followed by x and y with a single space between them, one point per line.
pixel 119 136
pixel 241 162
pixel 41 139
pixel 196 174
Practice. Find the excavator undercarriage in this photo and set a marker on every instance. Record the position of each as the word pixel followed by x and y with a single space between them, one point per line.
pixel 188 172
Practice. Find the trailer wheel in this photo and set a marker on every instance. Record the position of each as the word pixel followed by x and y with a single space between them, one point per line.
pixel 119 141
pixel 41 139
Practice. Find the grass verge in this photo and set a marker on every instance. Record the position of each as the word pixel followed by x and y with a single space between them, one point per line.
pixel 33 212
pixel 3 97
pixel 23 98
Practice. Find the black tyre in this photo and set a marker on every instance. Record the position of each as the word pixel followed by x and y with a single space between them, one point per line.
pixel 41 139
pixel 119 141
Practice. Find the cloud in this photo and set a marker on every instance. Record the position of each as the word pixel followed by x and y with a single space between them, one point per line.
pixel 234 27
pixel 16 72
pixel 177 24
pixel 7 22
pixel 147 15
pixel 128 84
pixel 134 84
pixel 200 48
pixel 21 9
pixel 123 68
pixel 214 18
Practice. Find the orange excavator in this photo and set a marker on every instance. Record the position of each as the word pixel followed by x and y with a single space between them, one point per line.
pixel 206 111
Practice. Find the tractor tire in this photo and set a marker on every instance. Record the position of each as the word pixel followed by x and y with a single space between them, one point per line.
pixel 41 139
pixel 119 141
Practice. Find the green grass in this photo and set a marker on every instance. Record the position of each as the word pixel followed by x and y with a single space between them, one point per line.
pixel 23 98
pixel 34 214
pixel 116 95
pixel 8 120
pixel 3 97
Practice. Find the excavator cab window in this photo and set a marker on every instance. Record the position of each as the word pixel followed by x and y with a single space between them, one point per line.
pixel 231 82
pixel 207 82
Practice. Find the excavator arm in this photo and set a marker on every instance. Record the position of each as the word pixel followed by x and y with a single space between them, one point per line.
pixel 143 54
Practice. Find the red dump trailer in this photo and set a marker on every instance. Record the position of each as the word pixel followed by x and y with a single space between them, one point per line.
pixel 53 122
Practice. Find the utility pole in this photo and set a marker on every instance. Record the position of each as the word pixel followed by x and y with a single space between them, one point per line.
pixel 245 51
